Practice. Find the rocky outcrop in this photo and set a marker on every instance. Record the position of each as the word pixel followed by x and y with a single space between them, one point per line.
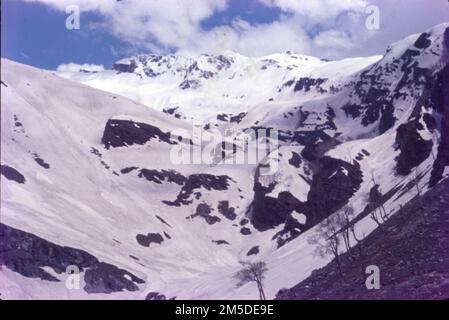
pixel 413 148
pixel 440 102
pixel 204 210
pixel 306 84
pixel 106 278
pixel 12 174
pixel 253 251
pixel 220 242
pixel 197 181
pixel 159 176
pixel 333 184
pixel 146 240
pixel 227 211
pixel 123 133
pixel 128 66
pixel 189 84
pixel 27 254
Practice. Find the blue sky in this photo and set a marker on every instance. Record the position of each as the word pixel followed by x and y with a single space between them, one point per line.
pixel 34 34
pixel 33 31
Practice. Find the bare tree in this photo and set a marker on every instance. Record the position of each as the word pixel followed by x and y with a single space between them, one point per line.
pixel 328 230
pixel 344 217
pixel 359 241
pixel 253 272
pixel 375 200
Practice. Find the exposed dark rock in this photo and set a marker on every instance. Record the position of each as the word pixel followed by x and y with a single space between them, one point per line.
pixel 122 133
pixel 219 242
pixel 243 222
pixel 366 153
pixel 12 174
pixel 423 41
pixel 27 254
pixel 106 278
pixel 295 160
pixel 440 102
pixel 128 170
pixel 313 151
pixel 245 231
pixel 225 210
pixel 155 296
pixel 305 84
pixel 291 230
pixel 334 183
pixel 430 122
pixel 125 67
pixel 18 125
pixel 163 221
pixel 189 84
pixel 253 251
pixel 41 161
pixel 173 112
pixel 146 240
pixel 197 181
pixel 414 149
pixel 158 177
pixel 231 118
pixel 204 210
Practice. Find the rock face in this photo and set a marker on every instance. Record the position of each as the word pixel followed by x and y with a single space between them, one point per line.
pixel 269 212
pixel 440 101
pixel 127 67
pixel 253 251
pixel 227 211
pixel 333 184
pixel 27 254
pixel 146 240
pixel 12 174
pixel 197 181
pixel 305 84
pixel 414 149
pixel 204 210
pixel 123 133
pixel 159 176
pixel 155 296
pixel 106 278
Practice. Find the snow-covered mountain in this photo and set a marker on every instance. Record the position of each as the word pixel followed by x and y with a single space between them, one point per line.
pixel 87 178
pixel 196 87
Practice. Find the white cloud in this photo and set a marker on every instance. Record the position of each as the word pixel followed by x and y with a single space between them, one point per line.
pixel 318 10
pixel 324 28
pixel 74 67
